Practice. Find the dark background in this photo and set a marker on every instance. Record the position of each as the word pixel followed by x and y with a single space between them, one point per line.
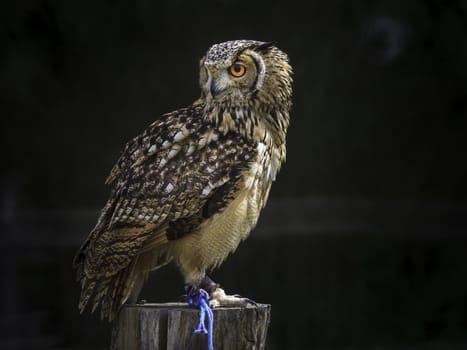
pixel 363 244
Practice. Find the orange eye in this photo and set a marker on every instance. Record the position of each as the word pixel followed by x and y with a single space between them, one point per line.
pixel 237 70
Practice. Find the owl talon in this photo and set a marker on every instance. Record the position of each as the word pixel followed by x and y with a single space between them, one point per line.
pixel 250 302
pixel 247 300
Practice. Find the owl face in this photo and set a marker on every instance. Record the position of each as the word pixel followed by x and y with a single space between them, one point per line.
pixel 233 70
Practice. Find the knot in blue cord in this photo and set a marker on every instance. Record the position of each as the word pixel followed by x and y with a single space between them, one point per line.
pixel 199 299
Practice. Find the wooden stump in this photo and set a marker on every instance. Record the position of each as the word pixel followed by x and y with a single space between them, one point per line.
pixel 171 326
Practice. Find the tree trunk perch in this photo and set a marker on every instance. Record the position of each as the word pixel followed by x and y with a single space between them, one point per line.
pixel 171 326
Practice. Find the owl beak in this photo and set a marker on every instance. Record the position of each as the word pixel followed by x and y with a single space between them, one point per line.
pixel 215 89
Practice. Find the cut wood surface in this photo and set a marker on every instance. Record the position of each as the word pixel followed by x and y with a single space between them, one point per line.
pixel 171 326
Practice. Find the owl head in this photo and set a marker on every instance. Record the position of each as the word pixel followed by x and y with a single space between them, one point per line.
pixel 245 72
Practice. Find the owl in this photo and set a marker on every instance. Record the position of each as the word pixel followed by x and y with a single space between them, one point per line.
pixel 191 187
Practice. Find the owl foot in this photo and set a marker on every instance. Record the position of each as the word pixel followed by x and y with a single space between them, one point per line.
pixel 219 298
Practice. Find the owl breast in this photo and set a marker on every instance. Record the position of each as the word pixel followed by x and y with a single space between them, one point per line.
pixel 221 234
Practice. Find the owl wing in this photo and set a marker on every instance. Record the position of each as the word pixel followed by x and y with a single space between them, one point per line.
pixel 169 179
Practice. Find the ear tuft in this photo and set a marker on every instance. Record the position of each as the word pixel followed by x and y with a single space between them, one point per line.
pixel 265 46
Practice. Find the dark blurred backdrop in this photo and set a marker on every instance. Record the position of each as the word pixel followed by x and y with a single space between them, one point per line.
pixel 363 244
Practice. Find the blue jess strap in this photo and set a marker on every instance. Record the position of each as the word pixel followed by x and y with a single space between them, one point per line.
pixel 200 300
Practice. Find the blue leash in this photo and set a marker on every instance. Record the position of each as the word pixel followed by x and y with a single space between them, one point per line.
pixel 200 301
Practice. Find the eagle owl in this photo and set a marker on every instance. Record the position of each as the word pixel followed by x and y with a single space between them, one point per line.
pixel 191 187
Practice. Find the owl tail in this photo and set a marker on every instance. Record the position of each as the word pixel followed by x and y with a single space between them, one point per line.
pixel 113 291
